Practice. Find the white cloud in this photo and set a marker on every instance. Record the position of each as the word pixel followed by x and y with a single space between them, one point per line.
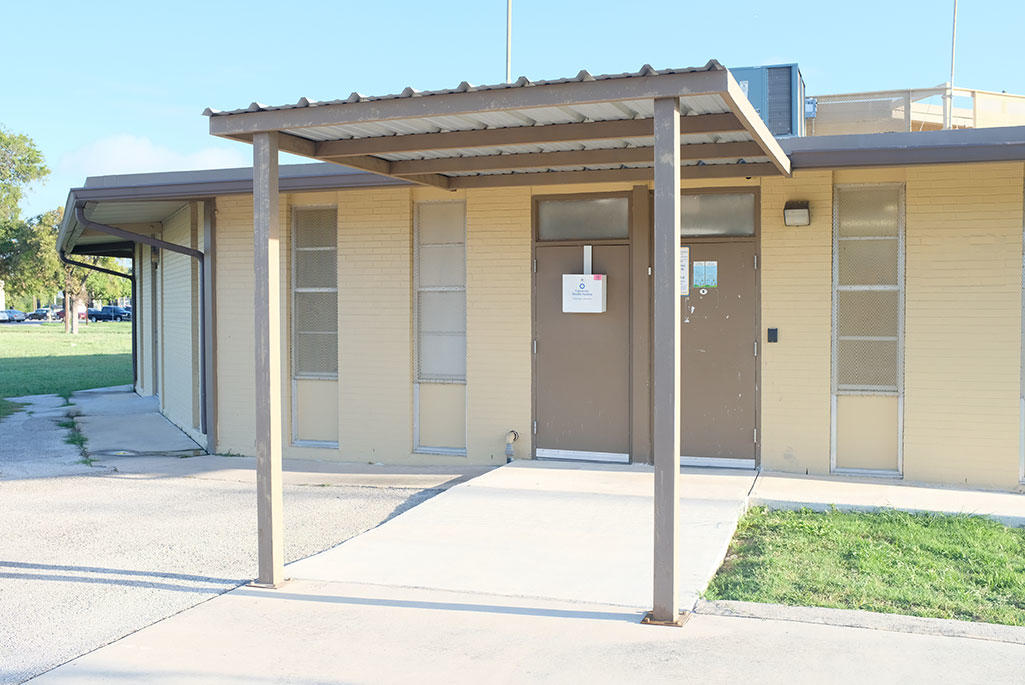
pixel 128 154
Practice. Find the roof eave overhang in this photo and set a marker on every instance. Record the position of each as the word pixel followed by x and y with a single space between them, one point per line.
pixel 70 230
pixel 960 146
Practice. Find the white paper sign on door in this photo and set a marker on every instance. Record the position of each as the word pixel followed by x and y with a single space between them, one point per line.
pixel 684 272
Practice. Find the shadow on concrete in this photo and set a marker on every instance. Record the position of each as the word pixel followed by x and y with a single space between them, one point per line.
pixel 626 615
pixel 146 579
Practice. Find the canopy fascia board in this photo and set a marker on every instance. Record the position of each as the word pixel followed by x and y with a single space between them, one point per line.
pixel 754 125
pixel 487 100
pixel 629 155
pixel 643 174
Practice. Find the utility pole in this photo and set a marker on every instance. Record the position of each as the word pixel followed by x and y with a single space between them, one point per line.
pixel 508 41
pixel 948 98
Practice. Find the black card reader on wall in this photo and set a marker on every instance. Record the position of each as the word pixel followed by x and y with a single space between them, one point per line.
pixel 773 335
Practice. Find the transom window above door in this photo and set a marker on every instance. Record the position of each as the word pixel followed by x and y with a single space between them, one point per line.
pixel 588 218
pixel 717 214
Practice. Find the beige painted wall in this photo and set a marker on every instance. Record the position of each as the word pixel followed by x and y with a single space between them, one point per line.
pixel 796 273
pixel 963 326
pixel 442 415
pixel 316 410
pixel 962 322
pixel 499 330
pixel 964 232
pixel 867 433
pixel 234 305
pixel 180 330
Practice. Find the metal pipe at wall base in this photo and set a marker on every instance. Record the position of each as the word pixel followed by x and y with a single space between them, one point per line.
pixel 163 245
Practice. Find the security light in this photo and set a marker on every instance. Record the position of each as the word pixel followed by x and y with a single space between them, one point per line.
pixel 796 213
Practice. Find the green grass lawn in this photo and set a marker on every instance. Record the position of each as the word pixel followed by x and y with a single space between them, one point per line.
pixel 963 567
pixel 40 359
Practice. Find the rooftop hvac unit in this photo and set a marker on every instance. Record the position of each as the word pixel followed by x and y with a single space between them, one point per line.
pixel 777 93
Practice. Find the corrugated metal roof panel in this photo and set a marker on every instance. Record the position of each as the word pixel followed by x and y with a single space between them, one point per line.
pixel 543 116
pixel 464 87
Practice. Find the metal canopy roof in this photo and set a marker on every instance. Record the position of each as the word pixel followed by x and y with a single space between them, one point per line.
pixel 582 129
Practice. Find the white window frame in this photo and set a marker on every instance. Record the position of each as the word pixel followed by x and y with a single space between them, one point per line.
pixel 298 290
pixel 294 375
pixel 418 378
pixel 835 391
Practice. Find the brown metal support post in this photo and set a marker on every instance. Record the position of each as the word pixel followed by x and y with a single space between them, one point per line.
pixel 267 342
pixel 209 335
pixel 666 360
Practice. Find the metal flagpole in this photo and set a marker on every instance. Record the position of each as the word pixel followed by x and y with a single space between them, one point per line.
pixel 948 109
pixel 508 41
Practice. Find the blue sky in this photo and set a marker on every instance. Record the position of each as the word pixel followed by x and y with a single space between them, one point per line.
pixel 117 87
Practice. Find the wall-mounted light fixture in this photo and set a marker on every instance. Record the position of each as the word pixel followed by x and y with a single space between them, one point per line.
pixel 796 213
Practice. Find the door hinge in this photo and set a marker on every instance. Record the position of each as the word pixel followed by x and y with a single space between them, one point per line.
pixel 535 266
pixel 756 348
pixel 756 262
pixel 649 270
pixel 756 436
pixel 535 428
pixel 535 345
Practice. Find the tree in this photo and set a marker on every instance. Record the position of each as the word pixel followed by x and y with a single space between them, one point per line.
pixel 28 256
pixel 21 164
pixel 28 262
pixel 101 286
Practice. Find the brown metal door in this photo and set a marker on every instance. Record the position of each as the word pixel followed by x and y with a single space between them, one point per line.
pixel 718 366
pixel 582 362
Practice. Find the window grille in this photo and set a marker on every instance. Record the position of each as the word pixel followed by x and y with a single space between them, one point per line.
pixel 315 293
pixel 440 304
pixel 868 289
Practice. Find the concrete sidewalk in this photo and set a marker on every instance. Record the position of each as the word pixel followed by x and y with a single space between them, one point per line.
pixel 32 444
pixel 561 531
pixel 116 421
pixel 534 571
pixel 819 493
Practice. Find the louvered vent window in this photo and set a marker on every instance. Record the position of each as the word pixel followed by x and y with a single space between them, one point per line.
pixel 868 288
pixel 315 293
pixel 441 292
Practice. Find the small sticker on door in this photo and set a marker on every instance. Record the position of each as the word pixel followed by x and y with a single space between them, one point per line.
pixel 684 271
pixel 706 274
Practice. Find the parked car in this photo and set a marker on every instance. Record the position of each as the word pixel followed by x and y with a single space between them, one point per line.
pixel 15 315
pixel 3 316
pixel 59 315
pixel 41 314
pixel 110 313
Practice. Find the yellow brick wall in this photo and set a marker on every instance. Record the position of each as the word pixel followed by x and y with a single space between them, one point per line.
pixel 181 374
pixel 964 229
pixel 796 294
pixel 498 320
pixel 234 306
pixel 374 305
pixel 963 324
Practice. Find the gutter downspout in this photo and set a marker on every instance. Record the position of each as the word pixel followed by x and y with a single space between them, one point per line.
pixel 70 262
pixel 171 247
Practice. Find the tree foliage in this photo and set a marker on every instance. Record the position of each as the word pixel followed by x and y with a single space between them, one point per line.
pixel 29 265
pixel 21 164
